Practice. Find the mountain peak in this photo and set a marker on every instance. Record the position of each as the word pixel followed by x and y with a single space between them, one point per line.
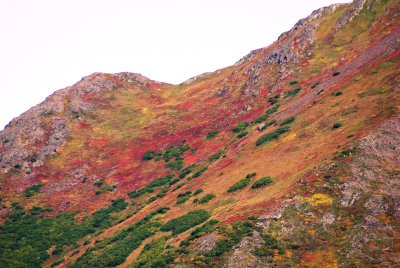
pixel 287 158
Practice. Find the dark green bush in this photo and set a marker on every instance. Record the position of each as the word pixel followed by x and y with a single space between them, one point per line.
pixel 239 185
pixel 185 222
pixel 267 114
pixel 272 100
pixel 294 82
pixel 240 127
pixel 114 250
pixel 149 155
pixel 198 191
pixel 337 93
pixel 272 135
pixel 186 171
pixel 99 183
pixel 241 135
pixel 216 156
pixel 262 182
pixel 198 171
pixel 206 198
pixel 292 92
pixel 212 134
pixel 315 84
pixel 251 175
pixel 288 121
pixel 175 165
pixel 336 125
pixel 106 188
pixel 34 189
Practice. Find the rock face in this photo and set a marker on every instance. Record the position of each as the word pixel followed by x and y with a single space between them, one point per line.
pixel 243 254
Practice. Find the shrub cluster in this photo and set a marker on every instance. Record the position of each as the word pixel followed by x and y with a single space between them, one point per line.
pixel 292 92
pixel 149 188
pixel 185 222
pixel 272 135
pixel 206 198
pixel 240 127
pixel 288 121
pixel 34 189
pixel 239 185
pixel 262 182
pixel 212 134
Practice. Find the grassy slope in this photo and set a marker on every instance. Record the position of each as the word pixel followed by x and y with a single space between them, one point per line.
pixel 113 138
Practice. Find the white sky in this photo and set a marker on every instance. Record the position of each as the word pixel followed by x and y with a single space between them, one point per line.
pixel 46 45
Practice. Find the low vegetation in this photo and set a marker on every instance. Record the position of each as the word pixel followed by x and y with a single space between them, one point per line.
pixel 272 135
pixel 262 182
pixel 186 222
pixel 34 189
pixel 240 127
pixel 239 185
pixel 212 134
pixel 206 198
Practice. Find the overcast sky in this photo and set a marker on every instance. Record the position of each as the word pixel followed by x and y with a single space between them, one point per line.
pixel 46 45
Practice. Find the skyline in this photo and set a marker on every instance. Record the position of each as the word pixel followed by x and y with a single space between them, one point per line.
pixel 48 46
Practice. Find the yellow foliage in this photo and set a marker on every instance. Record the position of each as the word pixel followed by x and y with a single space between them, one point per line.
pixel 319 200
pixel 289 137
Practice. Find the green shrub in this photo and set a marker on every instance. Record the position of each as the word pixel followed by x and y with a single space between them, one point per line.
pixel 34 189
pixel 198 191
pixel 241 135
pixel 149 188
pixel 336 125
pixel 267 114
pixel 149 155
pixel 206 198
pixel 292 92
pixel 155 254
pixel 175 165
pixel 239 185
pixel 183 197
pixel 240 127
pixel 315 84
pixel 106 188
pixel 27 241
pixel 288 121
pixel 272 100
pixel 99 183
pixel 17 166
pixel 198 171
pixel 185 222
pixel 262 182
pixel 113 251
pixel 212 134
pixel 216 156
pixel 294 82
pixel 272 135
pixel 251 175
pixel 337 93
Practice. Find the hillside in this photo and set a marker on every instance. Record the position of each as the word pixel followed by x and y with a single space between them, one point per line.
pixel 288 158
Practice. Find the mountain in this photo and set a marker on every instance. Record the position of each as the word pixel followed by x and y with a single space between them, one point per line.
pixel 288 158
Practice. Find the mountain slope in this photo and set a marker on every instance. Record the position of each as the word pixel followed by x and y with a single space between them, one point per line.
pixel 295 149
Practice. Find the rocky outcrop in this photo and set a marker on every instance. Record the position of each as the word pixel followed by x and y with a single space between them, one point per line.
pixel 243 254
pixel 38 133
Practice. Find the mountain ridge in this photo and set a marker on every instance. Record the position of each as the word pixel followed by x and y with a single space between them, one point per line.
pixel 277 143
